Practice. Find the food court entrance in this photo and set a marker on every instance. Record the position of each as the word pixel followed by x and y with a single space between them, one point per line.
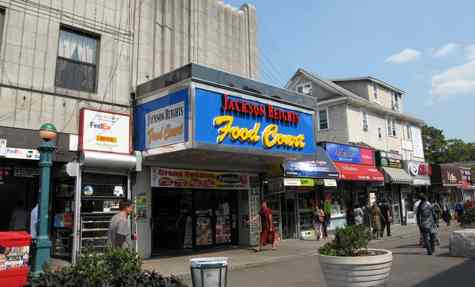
pixel 193 218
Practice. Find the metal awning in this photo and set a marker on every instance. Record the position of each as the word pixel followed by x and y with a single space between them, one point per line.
pixel 397 175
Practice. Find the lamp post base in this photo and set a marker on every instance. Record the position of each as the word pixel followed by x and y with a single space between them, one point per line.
pixel 42 253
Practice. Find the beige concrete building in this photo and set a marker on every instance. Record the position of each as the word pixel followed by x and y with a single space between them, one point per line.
pixel 59 56
pixel 362 110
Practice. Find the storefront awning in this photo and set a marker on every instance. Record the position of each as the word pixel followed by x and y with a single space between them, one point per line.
pixel 397 175
pixel 357 172
pixel 321 167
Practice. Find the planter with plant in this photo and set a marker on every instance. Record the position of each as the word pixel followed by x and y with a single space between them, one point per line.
pixel 113 268
pixel 347 261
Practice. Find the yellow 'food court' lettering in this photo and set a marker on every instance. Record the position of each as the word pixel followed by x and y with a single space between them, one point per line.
pixel 235 133
pixel 270 135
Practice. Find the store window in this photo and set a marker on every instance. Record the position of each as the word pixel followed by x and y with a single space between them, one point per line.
pixel 323 119
pixel 76 66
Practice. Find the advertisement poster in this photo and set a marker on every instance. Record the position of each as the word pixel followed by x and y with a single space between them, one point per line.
pixel 162 121
pixel 104 132
pixel 417 142
pixel 165 126
pixel 141 206
pixel 164 177
pixel 343 153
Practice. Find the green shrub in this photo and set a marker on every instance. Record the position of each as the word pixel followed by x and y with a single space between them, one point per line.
pixel 349 241
pixel 468 216
pixel 113 268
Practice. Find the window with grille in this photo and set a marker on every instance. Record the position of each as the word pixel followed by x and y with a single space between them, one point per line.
pixel 2 23
pixel 76 66
pixel 323 119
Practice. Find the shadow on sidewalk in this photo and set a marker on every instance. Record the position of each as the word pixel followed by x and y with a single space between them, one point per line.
pixel 460 275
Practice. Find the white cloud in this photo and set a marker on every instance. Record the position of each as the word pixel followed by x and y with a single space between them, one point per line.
pixel 456 81
pixel 445 50
pixel 471 52
pixel 405 56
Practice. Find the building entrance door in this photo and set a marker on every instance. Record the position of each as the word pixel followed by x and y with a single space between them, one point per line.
pixel 289 222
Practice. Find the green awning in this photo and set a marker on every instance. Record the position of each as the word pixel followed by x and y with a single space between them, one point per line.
pixel 397 175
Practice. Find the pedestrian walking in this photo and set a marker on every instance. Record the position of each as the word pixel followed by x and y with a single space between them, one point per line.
pixel 376 217
pixel 459 211
pixel 318 220
pixel 386 218
pixel 327 210
pixel 446 214
pixel 438 215
pixel 359 215
pixel 426 221
pixel 416 206
pixel 268 233
pixel 120 234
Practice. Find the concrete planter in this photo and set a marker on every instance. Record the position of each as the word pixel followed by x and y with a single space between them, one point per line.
pixel 361 271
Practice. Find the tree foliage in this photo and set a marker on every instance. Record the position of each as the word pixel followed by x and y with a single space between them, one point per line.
pixel 438 149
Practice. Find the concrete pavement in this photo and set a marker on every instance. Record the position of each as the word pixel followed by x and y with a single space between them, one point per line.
pixel 240 258
pixel 411 267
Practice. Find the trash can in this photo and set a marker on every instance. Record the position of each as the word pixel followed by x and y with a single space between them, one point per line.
pixel 14 257
pixel 209 272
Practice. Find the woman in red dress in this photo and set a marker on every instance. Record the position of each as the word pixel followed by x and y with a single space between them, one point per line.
pixel 268 233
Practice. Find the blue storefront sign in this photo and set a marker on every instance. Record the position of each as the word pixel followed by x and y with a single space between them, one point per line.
pixel 162 122
pixel 251 123
pixel 320 167
pixel 343 153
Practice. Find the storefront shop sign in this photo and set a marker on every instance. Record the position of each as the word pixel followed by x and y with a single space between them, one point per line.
pixel 177 178
pixel 387 159
pixel 252 123
pixel 104 132
pixel 321 167
pixel 419 171
pixel 304 182
pixel 21 153
pixel 350 154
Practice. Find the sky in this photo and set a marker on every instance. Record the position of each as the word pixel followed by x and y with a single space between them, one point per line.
pixel 426 48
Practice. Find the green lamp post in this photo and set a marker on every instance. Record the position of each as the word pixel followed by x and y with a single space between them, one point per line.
pixel 43 243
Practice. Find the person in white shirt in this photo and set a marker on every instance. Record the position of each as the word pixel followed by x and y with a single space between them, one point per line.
pixel 34 222
pixel 18 220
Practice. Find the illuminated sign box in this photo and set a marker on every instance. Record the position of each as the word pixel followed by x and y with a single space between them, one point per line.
pixel 238 122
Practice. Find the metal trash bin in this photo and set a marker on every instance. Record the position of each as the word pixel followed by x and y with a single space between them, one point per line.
pixel 209 272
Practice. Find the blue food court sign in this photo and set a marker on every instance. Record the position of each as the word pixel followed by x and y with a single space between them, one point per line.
pixel 252 123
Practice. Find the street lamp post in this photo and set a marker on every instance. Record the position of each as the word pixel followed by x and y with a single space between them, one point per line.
pixel 43 243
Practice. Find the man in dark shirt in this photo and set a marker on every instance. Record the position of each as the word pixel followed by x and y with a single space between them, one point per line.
pixel 119 235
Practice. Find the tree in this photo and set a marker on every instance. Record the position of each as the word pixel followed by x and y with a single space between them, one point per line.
pixel 435 144
pixel 458 150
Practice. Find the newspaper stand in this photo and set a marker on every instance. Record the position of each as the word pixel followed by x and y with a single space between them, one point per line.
pixel 14 257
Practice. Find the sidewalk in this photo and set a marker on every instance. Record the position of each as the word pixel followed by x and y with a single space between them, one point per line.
pixel 241 258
